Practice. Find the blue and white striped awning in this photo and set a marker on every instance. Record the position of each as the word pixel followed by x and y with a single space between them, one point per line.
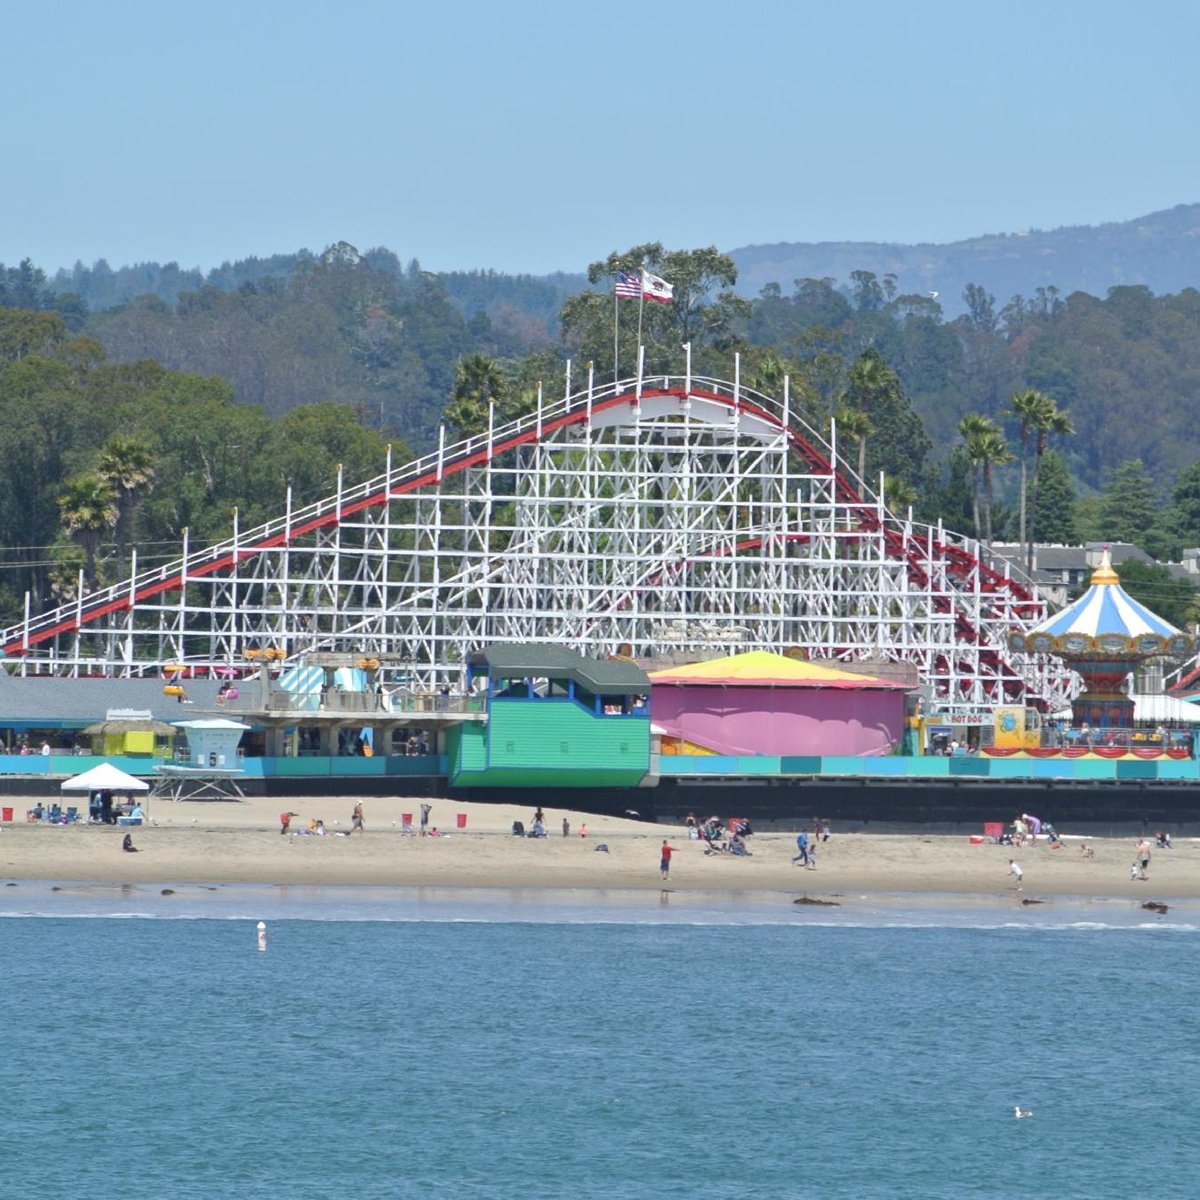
pixel 1106 608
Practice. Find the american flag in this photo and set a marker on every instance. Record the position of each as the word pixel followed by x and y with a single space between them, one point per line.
pixel 628 284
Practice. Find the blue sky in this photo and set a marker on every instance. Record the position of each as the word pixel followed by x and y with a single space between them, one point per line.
pixel 538 137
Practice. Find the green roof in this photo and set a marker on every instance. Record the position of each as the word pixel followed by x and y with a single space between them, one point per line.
pixel 535 660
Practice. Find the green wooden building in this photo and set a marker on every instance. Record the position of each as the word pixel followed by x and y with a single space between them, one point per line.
pixel 554 719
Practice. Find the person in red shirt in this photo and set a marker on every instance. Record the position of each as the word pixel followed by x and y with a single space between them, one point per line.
pixel 285 819
pixel 665 862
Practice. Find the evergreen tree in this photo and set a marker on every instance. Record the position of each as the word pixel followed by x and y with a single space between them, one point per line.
pixel 1054 517
pixel 1182 517
pixel 1130 507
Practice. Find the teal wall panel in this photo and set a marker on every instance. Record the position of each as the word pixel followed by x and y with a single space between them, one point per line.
pixel 797 764
pixel 1137 768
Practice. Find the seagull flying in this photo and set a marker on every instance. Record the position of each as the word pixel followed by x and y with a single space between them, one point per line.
pixel 933 295
pixel 1020 1112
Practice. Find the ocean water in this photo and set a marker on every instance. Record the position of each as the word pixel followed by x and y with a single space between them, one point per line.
pixel 396 1044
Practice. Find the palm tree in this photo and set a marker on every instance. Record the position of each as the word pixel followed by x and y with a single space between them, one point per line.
pixel 898 495
pixel 992 451
pixel 1030 408
pixel 854 424
pixel 1054 422
pixel 477 381
pixel 128 467
pixel 88 509
pixel 971 428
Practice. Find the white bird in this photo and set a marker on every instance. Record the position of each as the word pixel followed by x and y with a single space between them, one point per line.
pixel 933 295
pixel 1020 1112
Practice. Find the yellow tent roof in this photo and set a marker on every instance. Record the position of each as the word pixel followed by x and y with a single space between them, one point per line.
pixel 760 668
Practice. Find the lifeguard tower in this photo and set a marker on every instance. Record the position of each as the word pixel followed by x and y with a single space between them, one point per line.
pixel 211 767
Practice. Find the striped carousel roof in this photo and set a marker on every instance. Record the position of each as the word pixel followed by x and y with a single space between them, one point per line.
pixel 1106 608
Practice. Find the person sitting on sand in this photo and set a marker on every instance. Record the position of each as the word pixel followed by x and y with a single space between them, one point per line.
pixel 434 832
pixel 128 845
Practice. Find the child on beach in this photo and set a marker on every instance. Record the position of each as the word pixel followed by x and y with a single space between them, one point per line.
pixel 1014 868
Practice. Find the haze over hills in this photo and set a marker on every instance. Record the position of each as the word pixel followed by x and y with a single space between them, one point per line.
pixel 1160 250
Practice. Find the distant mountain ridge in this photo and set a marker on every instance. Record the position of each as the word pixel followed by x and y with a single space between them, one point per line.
pixel 1160 250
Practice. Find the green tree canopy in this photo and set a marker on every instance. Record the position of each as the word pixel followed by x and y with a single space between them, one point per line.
pixel 1055 513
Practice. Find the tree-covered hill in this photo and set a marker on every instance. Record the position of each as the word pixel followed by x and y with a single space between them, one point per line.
pixel 102 287
pixel 1160 250
pixel 927 400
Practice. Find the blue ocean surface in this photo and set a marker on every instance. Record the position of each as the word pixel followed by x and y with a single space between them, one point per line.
pixel 540 1046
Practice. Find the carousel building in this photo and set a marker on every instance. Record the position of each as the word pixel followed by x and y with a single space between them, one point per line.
pixel 1103 637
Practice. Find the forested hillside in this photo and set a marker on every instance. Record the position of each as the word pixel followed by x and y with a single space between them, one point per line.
pixel 1160 251
pixel 294 365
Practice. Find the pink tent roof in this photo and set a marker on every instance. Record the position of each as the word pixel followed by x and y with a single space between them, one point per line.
pixel 759 668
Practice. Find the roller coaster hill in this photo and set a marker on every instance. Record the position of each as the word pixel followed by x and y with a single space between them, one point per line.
pixel 666 517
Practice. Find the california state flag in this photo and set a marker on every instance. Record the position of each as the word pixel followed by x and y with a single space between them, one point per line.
pixel 654 288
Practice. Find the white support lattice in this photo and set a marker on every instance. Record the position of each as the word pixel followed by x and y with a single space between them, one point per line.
pixel 678 515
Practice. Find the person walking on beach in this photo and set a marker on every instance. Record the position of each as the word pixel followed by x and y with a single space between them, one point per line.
pixel 1014 869
pixel 1143 859
pixel 566 827
pixel 426 809
pixel 285 819
pixel 356 819
pixel 664 864
pixel 802 847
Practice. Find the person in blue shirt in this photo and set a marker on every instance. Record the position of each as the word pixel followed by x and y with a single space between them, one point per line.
pixel 802 846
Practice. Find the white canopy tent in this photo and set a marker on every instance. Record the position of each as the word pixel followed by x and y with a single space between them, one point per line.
pixel 104 778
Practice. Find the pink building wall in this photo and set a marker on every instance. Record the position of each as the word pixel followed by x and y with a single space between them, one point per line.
pixel 765 720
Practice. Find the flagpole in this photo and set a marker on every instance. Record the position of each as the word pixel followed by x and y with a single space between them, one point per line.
pixel 616 315
pixel 641 302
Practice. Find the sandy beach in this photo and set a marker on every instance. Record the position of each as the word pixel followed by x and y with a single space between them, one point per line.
pixel 205 842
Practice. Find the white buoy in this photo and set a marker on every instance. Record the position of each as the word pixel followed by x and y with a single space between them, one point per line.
pixel 262 935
